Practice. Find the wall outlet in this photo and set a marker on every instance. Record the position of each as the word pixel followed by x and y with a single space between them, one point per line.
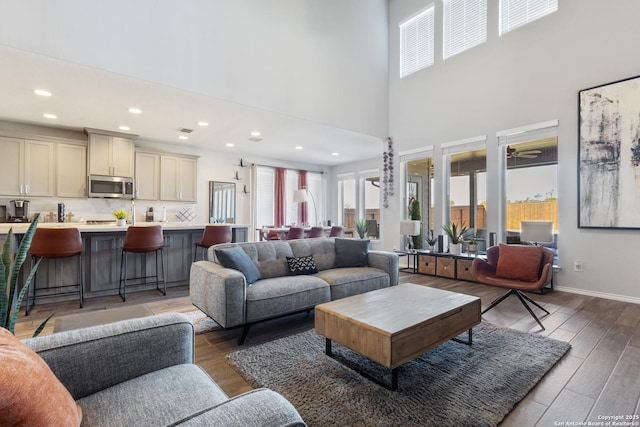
pixel 577 265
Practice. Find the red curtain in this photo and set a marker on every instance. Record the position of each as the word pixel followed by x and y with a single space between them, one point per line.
pixel 279 213
pixel 302 209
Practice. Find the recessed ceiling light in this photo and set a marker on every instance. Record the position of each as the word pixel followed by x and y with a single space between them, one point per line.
pixel 50 116
pixel 124 128
pixel 135 110
pixel 229 144
pixel 42 92
pixel 255 133
pixel 335 154
pixel 203 124
pixel 183 137
pixel 298 147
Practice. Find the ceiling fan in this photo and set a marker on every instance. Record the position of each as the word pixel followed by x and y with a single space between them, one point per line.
pixel 527 154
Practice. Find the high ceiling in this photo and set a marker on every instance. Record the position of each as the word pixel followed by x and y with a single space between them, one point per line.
pixel 87 97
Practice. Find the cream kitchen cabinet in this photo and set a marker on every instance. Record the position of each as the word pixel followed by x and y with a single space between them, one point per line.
pixel 178 176
pixel 147 179
pixel 28 167
pixel 111 154
pixel 71 170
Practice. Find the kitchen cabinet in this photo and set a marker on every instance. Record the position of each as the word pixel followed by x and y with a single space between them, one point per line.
pixel 178 248
pixel 111 153
pixel 178 176
pixel 147 179
pixel 27 167
pixel 71 170
pixel 104 262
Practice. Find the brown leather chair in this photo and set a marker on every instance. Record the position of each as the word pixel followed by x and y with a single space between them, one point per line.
pixel 213 235
pixel 316 232
pixel 487 272
pixel 295 233
pixel 336 231
pixel 142 240
pixel 56 243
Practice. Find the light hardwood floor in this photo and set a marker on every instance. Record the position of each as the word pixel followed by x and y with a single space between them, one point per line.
pixel 599 377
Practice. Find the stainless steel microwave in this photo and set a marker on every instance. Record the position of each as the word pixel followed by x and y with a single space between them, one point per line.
pixel 113 187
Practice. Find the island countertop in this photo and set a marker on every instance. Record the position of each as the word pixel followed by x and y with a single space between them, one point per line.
pixel 109 227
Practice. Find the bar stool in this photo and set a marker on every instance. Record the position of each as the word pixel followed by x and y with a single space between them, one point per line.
pixel 213 235
pixel 55 243
pixel 142 240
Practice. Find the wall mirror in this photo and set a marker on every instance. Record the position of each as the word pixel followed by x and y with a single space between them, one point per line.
pixel 222 202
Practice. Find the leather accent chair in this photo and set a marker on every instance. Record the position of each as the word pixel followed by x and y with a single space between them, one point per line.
pixel 213 235
pixel 56 243
pixel 316 232
pixel 142 240
pixel 336 231
pixel 487 272
pixel 295 233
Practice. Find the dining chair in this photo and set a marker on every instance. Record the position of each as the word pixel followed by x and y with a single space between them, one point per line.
pixel 295 233
pixel 316 232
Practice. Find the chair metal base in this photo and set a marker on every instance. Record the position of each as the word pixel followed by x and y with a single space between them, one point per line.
pixel 122 285
pixel 523 299
pixel 31 291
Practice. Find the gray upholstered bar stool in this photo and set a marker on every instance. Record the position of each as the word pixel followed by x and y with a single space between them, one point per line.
pixel 53 244
pixel 213 235
pixel 142 240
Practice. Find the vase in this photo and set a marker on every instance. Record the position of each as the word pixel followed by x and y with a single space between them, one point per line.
pixel 121 222
pixel 455 248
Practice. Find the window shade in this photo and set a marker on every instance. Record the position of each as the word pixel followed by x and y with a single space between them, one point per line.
pixel 416 42
pixel 465 25
pixel 516 13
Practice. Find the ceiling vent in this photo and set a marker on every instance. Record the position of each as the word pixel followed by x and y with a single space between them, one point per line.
pixel 255 139
pixel 185 130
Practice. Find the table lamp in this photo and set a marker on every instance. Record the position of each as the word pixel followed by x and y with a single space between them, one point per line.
pixel 409 228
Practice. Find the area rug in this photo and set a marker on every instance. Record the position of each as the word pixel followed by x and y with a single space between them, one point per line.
pixel 451 385
pixel 201 322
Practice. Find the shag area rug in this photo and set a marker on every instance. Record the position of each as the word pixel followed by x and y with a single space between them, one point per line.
pixel 451 385
pixel 201 322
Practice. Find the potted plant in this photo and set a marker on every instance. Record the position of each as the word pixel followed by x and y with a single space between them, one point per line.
pixel 472 248
pixel 431 241
pixel 415 215
pixel 361 228
pixel 455 234
pixel 121 217
pixel 10 266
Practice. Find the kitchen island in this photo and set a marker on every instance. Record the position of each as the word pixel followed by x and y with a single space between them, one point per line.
pixel 103 251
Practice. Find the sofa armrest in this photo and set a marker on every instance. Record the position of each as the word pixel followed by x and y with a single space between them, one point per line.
pixel 387 261
pixel 256 408
pixel 219 292
pixel 92 359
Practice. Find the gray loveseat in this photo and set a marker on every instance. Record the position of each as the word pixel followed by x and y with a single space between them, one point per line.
pixel 141 372
pixel 224 295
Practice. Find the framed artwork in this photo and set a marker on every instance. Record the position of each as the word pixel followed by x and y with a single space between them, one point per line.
pixel 609 155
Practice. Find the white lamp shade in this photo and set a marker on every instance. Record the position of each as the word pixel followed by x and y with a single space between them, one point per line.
pixel 536 231
pixel 410 228
pixel 299 196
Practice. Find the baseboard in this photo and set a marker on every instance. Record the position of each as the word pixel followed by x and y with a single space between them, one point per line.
pixel 605 295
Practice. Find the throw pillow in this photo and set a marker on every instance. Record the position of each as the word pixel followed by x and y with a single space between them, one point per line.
pixel 351 252
pixel 302 265
pixel 519 262
pixel 235 257
pixel 30 394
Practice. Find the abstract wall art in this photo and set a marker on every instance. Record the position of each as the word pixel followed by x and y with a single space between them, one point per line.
pixel 609 155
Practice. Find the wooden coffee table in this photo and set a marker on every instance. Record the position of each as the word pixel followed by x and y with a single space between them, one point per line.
pixel 394 325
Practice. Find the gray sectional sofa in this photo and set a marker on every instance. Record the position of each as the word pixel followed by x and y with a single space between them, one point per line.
pixel 141 372
pixel 226 295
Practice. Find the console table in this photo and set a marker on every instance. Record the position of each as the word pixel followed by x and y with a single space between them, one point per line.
pixel 445 264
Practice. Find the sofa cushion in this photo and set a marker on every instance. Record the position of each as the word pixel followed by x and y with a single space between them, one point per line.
pixel 158 398
pixel 302 265
pixel 519 262
pixel 322 249
pixel 351 252
pixel 30 394
pixel 345 282
pixel 236 258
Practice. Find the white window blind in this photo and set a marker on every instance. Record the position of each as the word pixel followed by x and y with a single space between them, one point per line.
pixel 465 25
pixel 516 13
pixel 416 42
pixel 265 190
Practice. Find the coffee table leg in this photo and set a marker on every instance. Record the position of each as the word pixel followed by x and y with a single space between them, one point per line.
pixel 469 338
pixel 327 347
pixel 394 379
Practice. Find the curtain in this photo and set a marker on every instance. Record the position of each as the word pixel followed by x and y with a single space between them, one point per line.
pixel 302 211
pixel 280 197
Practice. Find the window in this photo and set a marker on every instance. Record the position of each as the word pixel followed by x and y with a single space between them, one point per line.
pixel 419 171
pixel 347 201
pixel 416 42
pixel 265 189
pixel 465 25
pixel 516 13
pixel 468 189
pixel 291 208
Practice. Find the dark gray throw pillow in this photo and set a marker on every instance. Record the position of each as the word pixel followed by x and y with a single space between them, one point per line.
pixel 302 265
pixel 235 257
pixel 351 252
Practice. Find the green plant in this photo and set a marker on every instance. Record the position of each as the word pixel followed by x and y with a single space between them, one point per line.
pixel 9 273
pixel 431 239
pixel 455 234
pixel 414 214
pixel 120 214
pixel 361 228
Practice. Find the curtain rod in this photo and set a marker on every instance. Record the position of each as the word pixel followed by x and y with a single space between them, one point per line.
pixel 271 166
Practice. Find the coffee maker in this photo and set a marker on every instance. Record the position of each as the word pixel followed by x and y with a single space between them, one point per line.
pixel 20 211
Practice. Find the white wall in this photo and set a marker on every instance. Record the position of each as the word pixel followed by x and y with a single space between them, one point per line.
pixel 530 75
pixel 321 60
